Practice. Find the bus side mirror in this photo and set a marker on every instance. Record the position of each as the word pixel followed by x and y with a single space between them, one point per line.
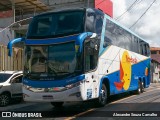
pixel 94 41
pixel 10 44
pixel 81 39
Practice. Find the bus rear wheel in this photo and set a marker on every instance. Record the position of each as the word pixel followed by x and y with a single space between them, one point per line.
pixel 102 100
pixel 57 104
pixel 140 87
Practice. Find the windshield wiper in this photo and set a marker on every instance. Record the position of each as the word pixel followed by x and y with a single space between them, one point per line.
pixel 72 75
pixel 64 72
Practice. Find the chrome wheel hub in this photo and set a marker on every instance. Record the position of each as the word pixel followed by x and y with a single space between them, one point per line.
pixel 103 95
pixel 4 100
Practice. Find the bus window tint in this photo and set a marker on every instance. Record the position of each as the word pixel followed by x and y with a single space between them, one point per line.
pixel 98 24
pixel 116 35
pixel 68 22
pixel 135 45
pixel 127 40
pixel 148 50
pixel 109 36
pixel 43 26
pixel 94 21
pixel 55 25
pixel 91 50
pixel 141 47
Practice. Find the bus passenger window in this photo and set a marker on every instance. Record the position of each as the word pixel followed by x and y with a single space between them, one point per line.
pixel 142 52
pixel 148 50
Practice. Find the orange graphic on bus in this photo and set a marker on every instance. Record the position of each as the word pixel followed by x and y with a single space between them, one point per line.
pixel 125 71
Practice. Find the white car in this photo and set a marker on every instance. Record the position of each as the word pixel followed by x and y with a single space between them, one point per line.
pixel 10 86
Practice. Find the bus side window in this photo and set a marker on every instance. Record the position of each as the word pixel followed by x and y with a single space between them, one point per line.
pixel 141 47
pixel 98 24
pixel 135 46
pixel 148 50
pixel 90 21
pixel 91 50
pixel 145 49
pixel 138 46
pixel 142 50
pixel 109 38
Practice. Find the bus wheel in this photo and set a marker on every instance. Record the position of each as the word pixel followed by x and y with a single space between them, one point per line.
pixel 57 104
pixel 142 87
pixel 103 96
pixel 138 91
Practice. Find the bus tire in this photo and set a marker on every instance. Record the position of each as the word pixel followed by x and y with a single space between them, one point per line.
pixel 57 104
pixel 102 99
pixel 138 91
pixel 142 87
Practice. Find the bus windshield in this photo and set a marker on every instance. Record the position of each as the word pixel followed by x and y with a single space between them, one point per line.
pixel 56 61
pixel 56 25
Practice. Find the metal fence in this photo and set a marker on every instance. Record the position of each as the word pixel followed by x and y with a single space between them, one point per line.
pixel 11 63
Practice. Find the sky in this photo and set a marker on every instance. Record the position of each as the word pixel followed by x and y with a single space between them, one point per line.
pixel 148 26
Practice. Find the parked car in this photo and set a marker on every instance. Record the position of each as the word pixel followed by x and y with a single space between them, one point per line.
pixel 10 86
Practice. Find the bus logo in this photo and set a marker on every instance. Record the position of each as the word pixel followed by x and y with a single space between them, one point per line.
pixel 131 60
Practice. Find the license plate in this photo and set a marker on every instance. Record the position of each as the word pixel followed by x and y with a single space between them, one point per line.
pixel 47 97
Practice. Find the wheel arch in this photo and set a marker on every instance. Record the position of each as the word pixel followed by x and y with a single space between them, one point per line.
pixel 6 92
pixel 144 81
pixel 105 80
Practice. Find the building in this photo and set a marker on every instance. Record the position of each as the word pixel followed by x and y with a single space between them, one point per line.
pixel 12 11
pixel 155 64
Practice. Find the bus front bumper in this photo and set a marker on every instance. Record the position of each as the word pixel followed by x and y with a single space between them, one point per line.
pixel 72 94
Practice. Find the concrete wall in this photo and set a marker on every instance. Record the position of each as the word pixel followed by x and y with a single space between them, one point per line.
pixel 5 36
pixel 155 71
pixel 62 4
pixel 6 19
pixel 4 22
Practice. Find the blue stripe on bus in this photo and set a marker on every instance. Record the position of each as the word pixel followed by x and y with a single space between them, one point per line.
pixel 51 40
pixel 53 83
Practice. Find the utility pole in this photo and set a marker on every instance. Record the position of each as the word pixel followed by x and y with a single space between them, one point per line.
pixel 88 3
pixel 13 10
pixel 13 14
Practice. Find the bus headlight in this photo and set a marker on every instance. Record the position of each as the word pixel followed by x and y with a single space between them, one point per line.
pixel 26 87
pixel 73 85
pixel 53 89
